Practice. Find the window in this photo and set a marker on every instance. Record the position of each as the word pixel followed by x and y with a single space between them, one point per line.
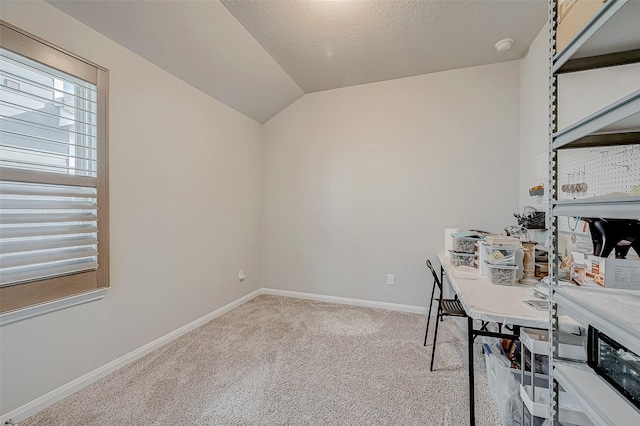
pixel 53 173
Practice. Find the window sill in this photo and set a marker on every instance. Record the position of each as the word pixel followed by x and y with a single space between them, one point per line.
pixel 55 305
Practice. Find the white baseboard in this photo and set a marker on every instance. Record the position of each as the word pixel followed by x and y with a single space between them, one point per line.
pixel 62 392
pixel 346 301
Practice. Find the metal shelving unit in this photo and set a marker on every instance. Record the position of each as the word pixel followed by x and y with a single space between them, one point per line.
pixel 617 207
pixel 622 116
pixel 611 38
pixel 594 306
pixel 601 38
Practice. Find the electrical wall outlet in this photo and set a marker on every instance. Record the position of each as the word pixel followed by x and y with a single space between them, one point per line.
pixel 241 275
pixel 391 279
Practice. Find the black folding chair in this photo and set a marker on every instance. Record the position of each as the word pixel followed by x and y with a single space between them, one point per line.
pixel 446 308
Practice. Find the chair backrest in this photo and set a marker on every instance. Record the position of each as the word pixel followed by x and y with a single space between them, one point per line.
pixel 435 276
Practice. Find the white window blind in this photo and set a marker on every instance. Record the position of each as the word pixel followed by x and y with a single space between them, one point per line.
pixel 48 172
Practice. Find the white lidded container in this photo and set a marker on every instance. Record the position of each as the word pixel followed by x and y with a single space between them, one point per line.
pixel 501 255
pixel 448 240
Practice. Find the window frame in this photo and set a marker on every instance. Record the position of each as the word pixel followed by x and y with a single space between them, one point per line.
pixel 21 296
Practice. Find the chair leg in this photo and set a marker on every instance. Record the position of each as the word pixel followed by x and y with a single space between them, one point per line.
pixel 472 401
pixel 433 290
pixel 435 336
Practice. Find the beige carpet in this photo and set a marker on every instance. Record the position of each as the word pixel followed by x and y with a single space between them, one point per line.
pixel 284 361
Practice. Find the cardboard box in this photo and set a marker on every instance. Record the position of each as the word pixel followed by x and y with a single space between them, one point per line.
pixel 573 15
pixel 588 270
pixel 622 273
pixel 564 6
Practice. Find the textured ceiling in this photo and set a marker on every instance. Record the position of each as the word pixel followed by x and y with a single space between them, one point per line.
pixel 199 42
pixel 327 44
pixel 259 56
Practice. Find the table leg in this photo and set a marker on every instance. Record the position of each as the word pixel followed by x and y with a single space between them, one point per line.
pixel 472 411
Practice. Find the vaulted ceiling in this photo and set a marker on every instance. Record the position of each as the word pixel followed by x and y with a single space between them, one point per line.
pixel 259 56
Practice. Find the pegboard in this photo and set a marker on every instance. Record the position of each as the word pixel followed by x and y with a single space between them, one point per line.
pixel 606 170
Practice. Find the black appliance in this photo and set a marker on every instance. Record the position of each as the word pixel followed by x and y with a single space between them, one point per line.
pixel 616 364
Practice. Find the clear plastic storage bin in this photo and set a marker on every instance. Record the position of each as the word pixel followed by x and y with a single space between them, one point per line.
pixel 500 255
pixel 464 244
pixel 502 274
pixel 462 259
pixel 504 385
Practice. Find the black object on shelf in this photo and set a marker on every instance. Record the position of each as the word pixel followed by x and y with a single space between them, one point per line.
pixel 607 234
pixel 616 364
pixel 534 220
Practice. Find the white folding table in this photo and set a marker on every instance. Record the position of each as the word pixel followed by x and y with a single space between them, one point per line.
pixel 490 303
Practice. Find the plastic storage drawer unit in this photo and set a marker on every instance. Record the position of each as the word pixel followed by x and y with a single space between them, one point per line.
pixel 501 255
pixel 464 244
pixel 462 259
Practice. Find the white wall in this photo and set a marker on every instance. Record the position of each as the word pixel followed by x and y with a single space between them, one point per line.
pixel 360 182
pixel 184 186
pixel 534 117
pixel 534 125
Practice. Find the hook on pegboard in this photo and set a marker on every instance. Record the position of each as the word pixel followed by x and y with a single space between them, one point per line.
pixel 626 166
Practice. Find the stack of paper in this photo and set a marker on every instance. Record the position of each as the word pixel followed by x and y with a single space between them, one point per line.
pixel 501 240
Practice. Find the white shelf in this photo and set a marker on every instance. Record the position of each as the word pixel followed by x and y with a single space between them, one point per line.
pixel 616 313
pixel 617 207
pixel 610 38
pixel 539 407
pixel 570 345
pixel 613 29
pixel 619 117
pixel 601 403
pixel 570 409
